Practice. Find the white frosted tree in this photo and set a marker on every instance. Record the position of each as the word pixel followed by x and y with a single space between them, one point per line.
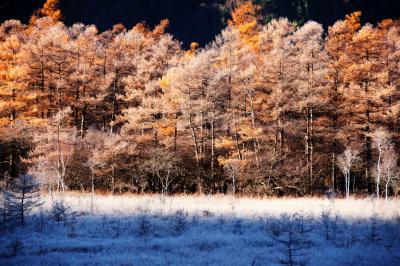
pixel 345 162
pixel 310 85
pixel 54 146
pixel 107 149
pixel 164 166
pixel 381 140
pixel 389 167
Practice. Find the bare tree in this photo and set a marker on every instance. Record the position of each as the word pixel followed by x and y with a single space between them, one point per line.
pixel 389 165
pixel 381 140
pixel 164 166
pixel 232 167
pixel 106 150
pixel 345 161
pixel 55 143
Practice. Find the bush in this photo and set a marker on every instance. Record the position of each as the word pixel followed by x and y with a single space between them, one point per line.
pixel 59 211
pixel 179 221
pixel 143 225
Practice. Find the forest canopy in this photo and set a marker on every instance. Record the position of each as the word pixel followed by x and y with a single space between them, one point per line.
pixel 271 106
pixel 199 20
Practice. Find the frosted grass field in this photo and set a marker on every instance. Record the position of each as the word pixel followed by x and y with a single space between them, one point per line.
pixel 202 230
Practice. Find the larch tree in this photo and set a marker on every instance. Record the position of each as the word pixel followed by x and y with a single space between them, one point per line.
pixel 309 63
pixel 276 79
pixel 24 197
pixel 389 79
pixel 239 45
pixel 245 19
pixel 15 101
pixel 276 75
pixel 13 97
pixel 50 9
pixel 54 145
pixel 106 160
pixel 150 116
pixel 338 39
pixel 363 93
pixel 85 79
pixel 188 83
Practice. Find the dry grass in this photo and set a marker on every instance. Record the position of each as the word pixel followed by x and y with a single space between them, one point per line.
pixel 353 208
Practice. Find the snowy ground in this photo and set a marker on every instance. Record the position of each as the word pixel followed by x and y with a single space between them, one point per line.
pixel 151 230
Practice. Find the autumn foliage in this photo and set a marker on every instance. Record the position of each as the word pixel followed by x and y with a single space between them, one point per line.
pixel 265 109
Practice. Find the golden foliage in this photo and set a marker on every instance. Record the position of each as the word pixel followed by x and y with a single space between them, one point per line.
pixel 192 50
pixel 353 21
pixel 164 83
pixel 160 28
pixel 225 142
pixel 245 20
pixel 118 28
pixel 49 9
pixel 141 28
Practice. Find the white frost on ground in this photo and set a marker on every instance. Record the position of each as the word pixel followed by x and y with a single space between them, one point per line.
pixel 215 230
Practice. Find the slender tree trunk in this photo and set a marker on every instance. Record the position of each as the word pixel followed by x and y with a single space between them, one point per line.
pixel 378 176
pixel 387 185
pixel 113 104
pixel 335 131
pixel 201 147
pixel 280 134
pixel 348 184
pixel 309 148
pixel 233 184
pixel 367 144
pixel 176 133
pixel 92 196
pixel 83 122
pixel 236 136
pixel 196 151
pixel 256 142
pixel 23 204
pixel 10 166
pixel 113 176
pixel 212 145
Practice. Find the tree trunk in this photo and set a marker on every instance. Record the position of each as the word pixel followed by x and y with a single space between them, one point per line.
pixel 378 177
pixel 212 146
pixel 92 196
pixel 23 204
pixel 256 142
pixel 113 104
pixel 196 151
pixel 233 184
pixel 176 133
pixel 113 176
pixel 309 147
pixel 367 144
pixel 83 122
pixel 333 173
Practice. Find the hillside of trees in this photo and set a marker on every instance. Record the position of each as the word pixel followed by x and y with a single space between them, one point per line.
pixel 265 109
pixel 199 20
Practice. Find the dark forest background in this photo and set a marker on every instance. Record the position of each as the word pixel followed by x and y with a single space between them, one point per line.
pixel 196 20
